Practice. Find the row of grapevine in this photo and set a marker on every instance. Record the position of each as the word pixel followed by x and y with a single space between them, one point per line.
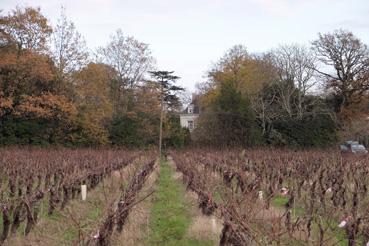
pixel 326 194
pixel 118 214
pixel 29 178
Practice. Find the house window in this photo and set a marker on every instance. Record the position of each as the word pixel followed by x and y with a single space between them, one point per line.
pixel 190 109
pixel 190 124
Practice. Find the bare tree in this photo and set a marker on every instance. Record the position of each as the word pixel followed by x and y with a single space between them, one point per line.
pixel 295 66
pixel 264 105
pixel 349 58
pixel 130 58
pixel 69 49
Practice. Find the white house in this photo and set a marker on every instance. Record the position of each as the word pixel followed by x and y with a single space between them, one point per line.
pixel 188 117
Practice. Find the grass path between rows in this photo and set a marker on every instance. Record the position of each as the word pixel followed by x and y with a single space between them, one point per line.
pixel 171 214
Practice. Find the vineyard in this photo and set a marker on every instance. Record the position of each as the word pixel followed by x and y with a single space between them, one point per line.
pixel 168 141
pixel 40 183
pixel 281 197
pixel 261 197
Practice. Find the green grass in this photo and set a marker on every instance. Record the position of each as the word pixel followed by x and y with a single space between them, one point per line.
pixel 95 212
pixel 281 201
pixel 339 235
pixel 170 214
pixel 217 197
pixel 69 234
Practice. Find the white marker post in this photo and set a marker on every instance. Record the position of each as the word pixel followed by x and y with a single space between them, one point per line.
pixel 342 224
pixel 84 192
pixel 260 195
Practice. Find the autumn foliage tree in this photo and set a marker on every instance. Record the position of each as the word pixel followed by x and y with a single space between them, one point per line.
pixel 93 100
pixel 33 111
pixel 27 29
pixel 139 126
pixel 52 93
pixel 253 99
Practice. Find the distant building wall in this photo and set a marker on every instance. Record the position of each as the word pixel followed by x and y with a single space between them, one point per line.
pixel 188 120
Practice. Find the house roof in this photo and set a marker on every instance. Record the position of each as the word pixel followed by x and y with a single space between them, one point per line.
pixel 194 103
pixel 196 109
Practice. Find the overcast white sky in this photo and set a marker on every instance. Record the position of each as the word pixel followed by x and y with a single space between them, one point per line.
pixel 187 36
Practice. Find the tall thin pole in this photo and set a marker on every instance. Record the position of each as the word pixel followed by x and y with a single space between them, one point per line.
pixel 161 116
